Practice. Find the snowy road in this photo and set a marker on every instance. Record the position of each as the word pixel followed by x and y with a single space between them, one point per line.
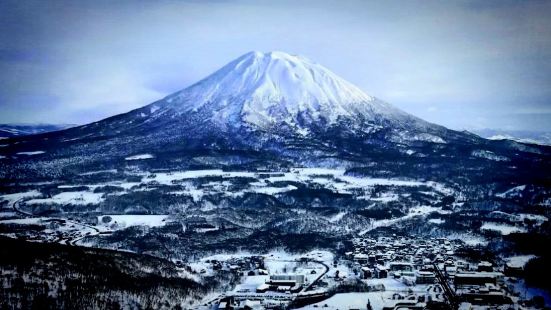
pixel 68 241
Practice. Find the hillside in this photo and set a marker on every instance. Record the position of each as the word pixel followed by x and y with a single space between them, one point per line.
pixel 50 276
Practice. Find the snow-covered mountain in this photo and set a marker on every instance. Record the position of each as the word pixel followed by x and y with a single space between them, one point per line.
pixel 524 136
pixel 282 95
pixel 268 90
pixel 267 110
pixel 12 130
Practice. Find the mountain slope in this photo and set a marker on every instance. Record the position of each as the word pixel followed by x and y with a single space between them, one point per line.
pixel 51 276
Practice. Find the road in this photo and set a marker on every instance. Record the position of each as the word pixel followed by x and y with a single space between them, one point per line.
pixel 70 241
pixel 15 208
pixel 451 298
pixel 318 278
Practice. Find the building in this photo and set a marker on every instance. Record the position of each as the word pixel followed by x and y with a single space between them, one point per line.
pixel 262 288
pixel 484 296
pixel 381 271
pixel 485 266
pixel 425 277
pixel 366 273
pixel 287 279
pixel 477 278
pixel 361 258
pixel 400 266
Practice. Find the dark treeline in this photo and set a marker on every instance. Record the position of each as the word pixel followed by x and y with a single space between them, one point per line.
pixel 52 276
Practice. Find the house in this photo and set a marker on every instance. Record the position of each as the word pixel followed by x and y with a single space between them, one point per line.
pixel 485 266
pixel 381 271
pixel 513 270
pixel 366 273
pixel 425 277
pixel 361 258
pixel 400 266
pixel 450 271
pixel 262 288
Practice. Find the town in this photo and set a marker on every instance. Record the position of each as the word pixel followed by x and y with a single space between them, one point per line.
pixel 381 272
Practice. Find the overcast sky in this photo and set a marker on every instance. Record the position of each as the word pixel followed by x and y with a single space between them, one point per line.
pixel 463 64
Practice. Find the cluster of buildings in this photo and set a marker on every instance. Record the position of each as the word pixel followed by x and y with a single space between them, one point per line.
pixel 399 257
pixel 418 262
pixel 384 272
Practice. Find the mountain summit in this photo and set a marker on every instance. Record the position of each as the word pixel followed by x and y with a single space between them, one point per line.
pixel 266 90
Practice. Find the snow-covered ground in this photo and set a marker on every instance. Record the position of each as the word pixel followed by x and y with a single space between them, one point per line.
pixel 337 217
pixel 269 190
pixel 99 171
pixel 377 300
pixel 7 215
pixel 125 220
pixel 469 239
pixel 413 212
pixel 140 156
pixel 520 218
pixel 350 301
pixel 384 197
pixel 488 155
pixel 520 260
pixel 333 179
pixel 437 221
pixel 62 231
pixel 77 198
pixel 190 184
pixel 539 219
pixel 31 153
pixel 11 198
pixel 513 192
pixel 503 229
